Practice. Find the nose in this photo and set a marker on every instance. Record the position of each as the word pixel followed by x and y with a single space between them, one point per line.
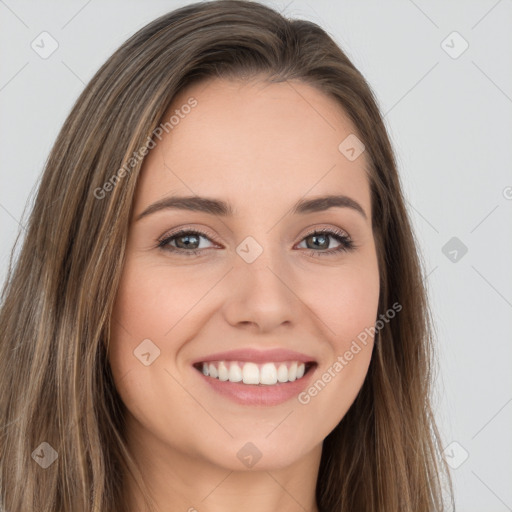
pixel 261 295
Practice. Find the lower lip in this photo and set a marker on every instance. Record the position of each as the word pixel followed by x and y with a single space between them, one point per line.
pixel 258 395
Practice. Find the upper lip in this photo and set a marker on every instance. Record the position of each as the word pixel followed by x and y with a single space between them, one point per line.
pixel 257 356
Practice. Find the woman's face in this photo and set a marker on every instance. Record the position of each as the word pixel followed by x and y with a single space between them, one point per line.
pixel 255 284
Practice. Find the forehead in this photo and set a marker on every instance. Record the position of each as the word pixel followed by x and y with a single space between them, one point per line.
pixel 254 141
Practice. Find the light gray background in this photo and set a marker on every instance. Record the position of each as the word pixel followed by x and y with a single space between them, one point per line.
pixel 450 120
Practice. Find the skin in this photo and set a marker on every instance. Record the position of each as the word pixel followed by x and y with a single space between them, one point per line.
pixel 261 147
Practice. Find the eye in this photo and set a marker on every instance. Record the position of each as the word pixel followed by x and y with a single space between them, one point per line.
pixel 320 239
pixel 186 242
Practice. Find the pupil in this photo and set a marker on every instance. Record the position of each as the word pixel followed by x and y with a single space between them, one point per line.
pixel 321 237
pixel 187 237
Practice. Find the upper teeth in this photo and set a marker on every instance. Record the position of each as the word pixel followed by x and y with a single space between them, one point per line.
pixel 252 373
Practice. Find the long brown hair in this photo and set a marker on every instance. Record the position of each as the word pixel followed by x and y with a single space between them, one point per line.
pixel 56 386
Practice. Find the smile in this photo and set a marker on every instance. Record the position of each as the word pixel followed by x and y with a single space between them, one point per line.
pixel 251 373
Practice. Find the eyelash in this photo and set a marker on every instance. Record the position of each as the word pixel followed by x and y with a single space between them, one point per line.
pixel 346 244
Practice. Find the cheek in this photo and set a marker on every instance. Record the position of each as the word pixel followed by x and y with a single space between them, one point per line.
pixel 150 302
pixel 157 304
pixel 147 307
pixel 347 304
pixel 346 300
pixel 140 313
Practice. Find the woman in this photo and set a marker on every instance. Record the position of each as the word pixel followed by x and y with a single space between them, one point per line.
pixel 219 301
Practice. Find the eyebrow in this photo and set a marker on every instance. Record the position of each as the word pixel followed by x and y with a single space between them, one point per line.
pixel 224 209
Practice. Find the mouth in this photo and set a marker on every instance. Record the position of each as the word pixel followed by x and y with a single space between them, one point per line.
pixel 250 373
pixel 255 378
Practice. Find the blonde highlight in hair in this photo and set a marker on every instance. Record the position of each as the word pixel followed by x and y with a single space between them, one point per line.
pixel 56 385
